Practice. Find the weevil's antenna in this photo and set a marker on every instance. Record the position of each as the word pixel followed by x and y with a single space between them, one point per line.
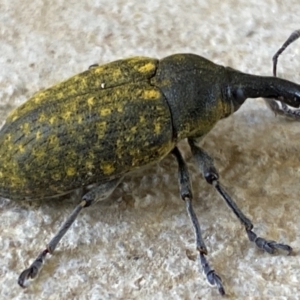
pixel 293 37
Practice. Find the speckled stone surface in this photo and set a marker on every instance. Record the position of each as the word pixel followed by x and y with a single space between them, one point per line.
pixel 139 244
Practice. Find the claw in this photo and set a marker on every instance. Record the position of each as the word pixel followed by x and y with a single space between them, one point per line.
pixel 26 274
pixel 284 247
pixel 33 270
pixel 268 246
pixel 214 279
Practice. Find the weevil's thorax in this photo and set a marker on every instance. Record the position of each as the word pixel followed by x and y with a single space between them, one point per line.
pixel 193 87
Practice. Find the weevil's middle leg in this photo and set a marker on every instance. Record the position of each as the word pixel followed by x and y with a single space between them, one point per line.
pixel 211 175
pixel 186 195
pixel 98 193
pixel 279 107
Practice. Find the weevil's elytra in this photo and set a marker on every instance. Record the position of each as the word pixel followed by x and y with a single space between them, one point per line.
pixel 97 126
pixel 107 122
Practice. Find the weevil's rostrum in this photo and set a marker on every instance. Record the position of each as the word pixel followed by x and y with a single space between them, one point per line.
pixel 110 120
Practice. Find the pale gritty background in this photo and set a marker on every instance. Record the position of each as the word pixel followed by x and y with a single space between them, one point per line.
pixel 140 244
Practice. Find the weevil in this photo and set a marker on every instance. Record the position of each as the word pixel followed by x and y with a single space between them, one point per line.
pixel 100 125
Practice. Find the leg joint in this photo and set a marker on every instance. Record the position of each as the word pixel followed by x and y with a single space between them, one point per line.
pixel 211 176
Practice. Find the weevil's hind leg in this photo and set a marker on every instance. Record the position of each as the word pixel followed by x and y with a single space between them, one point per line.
pixel 187 196
pixel 278 107
pixel 205 163
pixel 96 194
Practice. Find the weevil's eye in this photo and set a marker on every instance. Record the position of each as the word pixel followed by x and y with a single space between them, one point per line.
pixel 236 96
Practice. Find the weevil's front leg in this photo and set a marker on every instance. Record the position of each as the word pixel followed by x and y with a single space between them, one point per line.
pixel 277 106
pixel 211 175
pixel 96 194
pixel 187 196
pixel 282 109
pixel 293 37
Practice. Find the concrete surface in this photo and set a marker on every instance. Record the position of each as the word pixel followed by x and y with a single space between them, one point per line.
pixel 140 244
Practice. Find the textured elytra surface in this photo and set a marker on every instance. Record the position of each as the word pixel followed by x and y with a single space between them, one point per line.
pixel 92 128
pixel 141 247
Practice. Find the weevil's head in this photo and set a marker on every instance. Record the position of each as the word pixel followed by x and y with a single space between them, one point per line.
pixel 241 86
